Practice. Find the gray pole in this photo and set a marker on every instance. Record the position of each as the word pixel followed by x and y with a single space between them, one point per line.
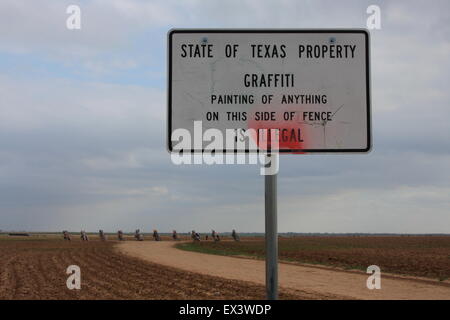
pixel 271 234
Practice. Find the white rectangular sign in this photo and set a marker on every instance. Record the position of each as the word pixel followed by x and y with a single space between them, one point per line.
pixel 311 85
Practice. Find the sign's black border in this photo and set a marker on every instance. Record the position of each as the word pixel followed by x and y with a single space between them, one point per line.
pixel 169 97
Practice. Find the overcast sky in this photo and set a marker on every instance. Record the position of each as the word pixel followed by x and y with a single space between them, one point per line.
pixel 82 123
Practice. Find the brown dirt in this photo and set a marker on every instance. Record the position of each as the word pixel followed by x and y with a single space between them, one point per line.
pixel 313 281
pixel 31 269
pixel 419 256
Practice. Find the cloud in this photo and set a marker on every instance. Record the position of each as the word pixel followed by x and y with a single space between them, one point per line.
pixel 82 124
pixel 399 209
pixel 105 25
pixel 28 105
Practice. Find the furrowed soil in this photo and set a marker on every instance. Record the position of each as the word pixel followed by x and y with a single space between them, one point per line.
pixel 36 269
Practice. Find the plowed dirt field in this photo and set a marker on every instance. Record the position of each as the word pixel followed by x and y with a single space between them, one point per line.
pixel 36 269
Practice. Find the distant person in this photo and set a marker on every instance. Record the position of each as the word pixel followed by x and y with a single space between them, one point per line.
pixel 120 235
pixel 174 235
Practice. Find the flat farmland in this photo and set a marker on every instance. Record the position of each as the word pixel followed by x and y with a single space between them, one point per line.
pixel 35 268
pixel 420 256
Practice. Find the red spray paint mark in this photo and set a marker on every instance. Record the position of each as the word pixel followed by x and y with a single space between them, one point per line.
pixel 292 134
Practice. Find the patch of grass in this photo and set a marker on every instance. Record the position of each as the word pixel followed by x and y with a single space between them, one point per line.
pixel 211 249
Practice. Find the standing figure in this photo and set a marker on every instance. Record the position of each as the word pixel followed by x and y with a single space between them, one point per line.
pixel 120 235
pixel 175 235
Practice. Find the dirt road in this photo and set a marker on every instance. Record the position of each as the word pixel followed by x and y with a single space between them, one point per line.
pixel 312 281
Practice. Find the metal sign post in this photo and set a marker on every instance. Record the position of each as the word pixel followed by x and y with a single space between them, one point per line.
pixel 271 233
pixel 312 85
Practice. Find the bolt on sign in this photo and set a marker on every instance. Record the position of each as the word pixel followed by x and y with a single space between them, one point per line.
pixel 235 85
